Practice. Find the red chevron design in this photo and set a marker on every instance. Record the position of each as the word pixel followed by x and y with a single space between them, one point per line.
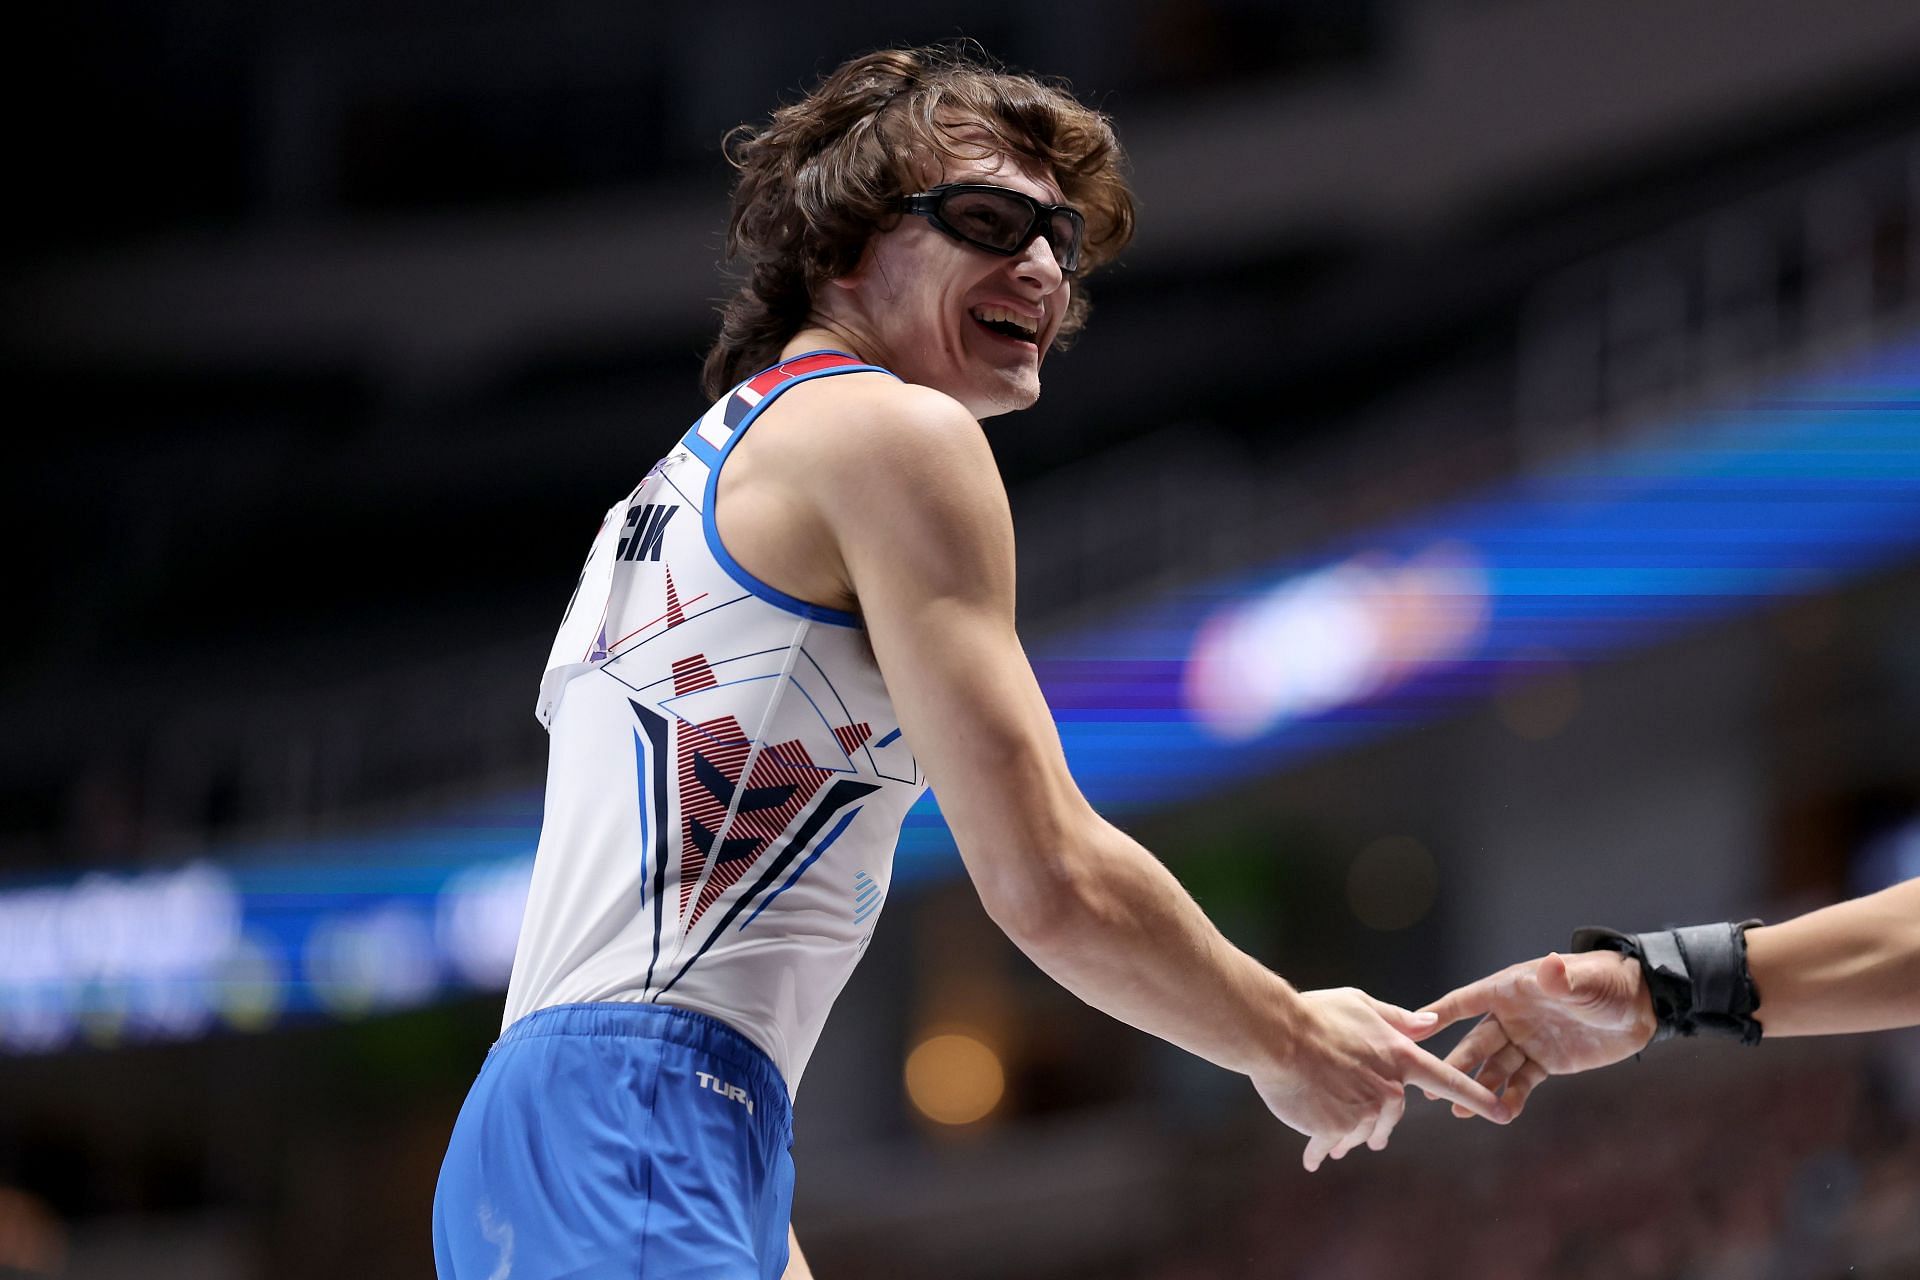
pixel 725 745
pixel 850 736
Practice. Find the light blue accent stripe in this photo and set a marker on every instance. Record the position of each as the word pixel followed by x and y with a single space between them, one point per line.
pixel 640 779
pixel 884 741
pixel 800 870
pixel 867 891
pixel 772 595
pixel 697 445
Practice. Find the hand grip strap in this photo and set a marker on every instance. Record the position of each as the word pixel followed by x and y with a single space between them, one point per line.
pixel 1697 976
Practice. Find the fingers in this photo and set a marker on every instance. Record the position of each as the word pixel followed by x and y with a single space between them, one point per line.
pixel 1512 1075
pixel 1478 1045
pixel 1352 1140
pixel 1501 1074
pixel 1371 1133
pixel 1320 1149
pixel 1383 1127
pixel 1469 1001
pixel 1500 1068
pixel 1492 1062
pixel 1414 1026
pixel 1474 1048
pixel 1525 1081
pixel 1436 1077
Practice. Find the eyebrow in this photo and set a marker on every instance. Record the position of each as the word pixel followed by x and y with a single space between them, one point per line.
pixel 1048 195
pixel 997 178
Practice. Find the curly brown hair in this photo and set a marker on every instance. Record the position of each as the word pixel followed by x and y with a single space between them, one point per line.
pixel 828 170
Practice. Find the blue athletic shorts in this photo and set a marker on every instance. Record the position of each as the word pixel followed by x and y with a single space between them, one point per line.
pixel 628 1140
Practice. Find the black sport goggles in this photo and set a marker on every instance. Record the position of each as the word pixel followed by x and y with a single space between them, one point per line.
pixel 1001 220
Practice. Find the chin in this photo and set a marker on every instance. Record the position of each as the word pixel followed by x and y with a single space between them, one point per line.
pixel 1009 396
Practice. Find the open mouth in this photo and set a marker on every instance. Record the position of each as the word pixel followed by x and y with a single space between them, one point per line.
pixel 1007 324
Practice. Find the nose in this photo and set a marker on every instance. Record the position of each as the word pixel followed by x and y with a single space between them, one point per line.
pixel 1037 264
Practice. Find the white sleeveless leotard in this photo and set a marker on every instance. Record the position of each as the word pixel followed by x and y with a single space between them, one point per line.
pixel 726 778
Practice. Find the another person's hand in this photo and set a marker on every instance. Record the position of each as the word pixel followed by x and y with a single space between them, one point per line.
pixel 1554 1016
pixel 1344 1074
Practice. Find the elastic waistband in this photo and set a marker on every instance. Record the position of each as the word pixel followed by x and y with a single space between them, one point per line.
pixel 685 1027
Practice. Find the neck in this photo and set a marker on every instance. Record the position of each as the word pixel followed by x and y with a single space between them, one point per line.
pixel 821 332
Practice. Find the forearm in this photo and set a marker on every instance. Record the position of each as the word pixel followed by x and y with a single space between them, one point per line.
pixel 1854 966
pixel 1121 933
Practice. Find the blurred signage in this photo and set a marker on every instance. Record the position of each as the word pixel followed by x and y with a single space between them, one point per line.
pixel 167 955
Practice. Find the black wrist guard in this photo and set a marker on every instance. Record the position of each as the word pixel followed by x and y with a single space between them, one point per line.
pixel 1697 976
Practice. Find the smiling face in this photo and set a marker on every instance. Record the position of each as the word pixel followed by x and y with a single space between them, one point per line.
pixel 949 315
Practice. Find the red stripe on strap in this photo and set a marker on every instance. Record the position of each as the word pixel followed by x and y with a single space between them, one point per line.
pixel 796 367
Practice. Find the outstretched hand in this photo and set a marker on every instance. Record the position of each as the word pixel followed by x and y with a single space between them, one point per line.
pixel 1345 1073
pixel 1555 1016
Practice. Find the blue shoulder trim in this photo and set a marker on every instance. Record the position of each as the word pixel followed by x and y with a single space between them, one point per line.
pixel 772 595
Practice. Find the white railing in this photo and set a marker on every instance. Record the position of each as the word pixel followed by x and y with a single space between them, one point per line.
pixel 1708 309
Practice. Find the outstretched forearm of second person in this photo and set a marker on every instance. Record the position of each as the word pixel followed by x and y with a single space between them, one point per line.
pixel 1854 966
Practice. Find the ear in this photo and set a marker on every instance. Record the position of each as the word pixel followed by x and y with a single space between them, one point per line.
pixel 869 276
pixel 862 270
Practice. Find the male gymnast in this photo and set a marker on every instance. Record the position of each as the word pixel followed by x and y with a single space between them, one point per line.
pixel 781 636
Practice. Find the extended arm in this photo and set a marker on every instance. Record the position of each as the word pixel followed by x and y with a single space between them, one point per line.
pixel 1854 966
pixel 921 522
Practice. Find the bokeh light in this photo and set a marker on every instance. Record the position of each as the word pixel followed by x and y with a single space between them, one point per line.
pixel 1392 884
pixel 954 1079
pixel 1537 696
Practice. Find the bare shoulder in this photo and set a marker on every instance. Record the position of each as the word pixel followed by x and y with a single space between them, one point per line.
pixel 898 478
pixel 872 429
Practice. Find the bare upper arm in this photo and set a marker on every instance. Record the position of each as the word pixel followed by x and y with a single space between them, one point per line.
pixel 919 516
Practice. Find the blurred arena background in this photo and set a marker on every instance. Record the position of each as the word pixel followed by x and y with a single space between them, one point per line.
pixel 1487 501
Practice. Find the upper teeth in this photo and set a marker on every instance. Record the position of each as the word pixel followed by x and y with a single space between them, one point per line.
pixel 1027 324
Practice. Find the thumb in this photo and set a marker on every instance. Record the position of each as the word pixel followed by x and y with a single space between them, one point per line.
pixel 1414 1026
pixel 1556 978
pixel 1589 985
